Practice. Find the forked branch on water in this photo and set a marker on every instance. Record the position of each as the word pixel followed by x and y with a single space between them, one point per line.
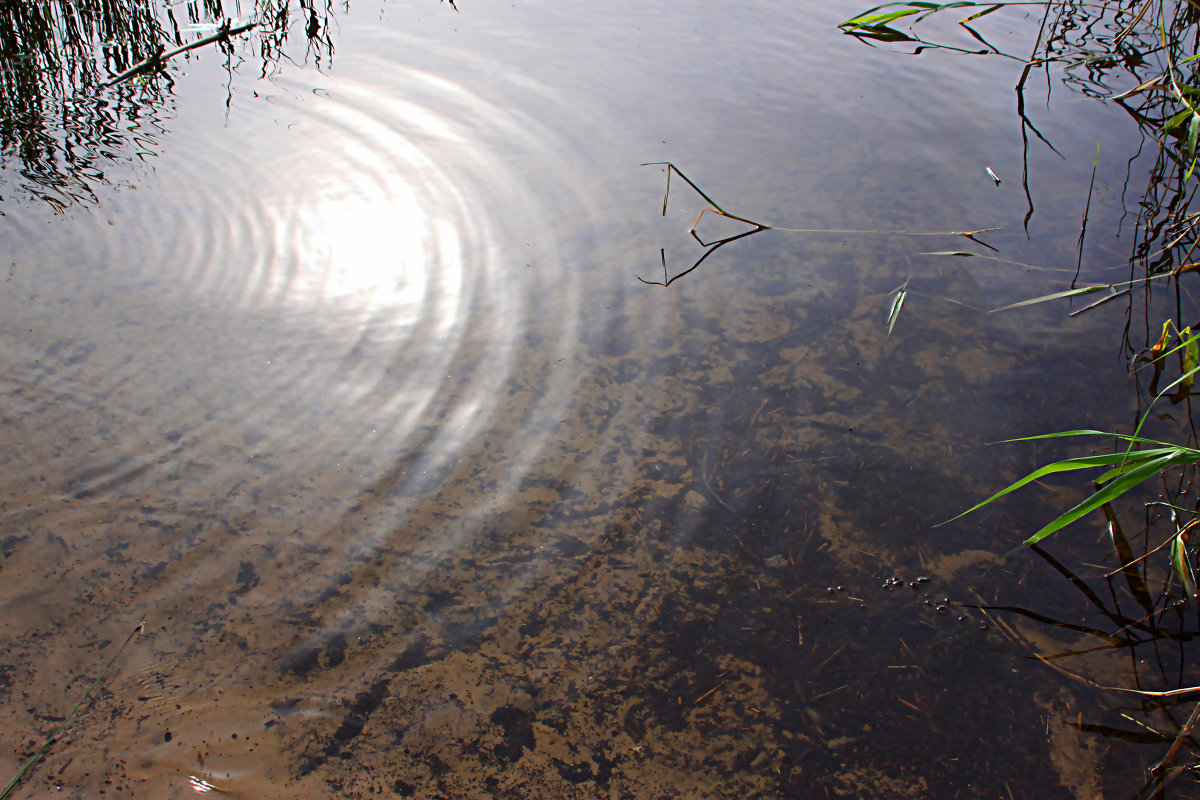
pixel 713 246
pixel 716 209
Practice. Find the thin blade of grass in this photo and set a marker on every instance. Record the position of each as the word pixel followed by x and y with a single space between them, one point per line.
pixel 1131 460
pixel 1085 432
pixel 949 300
pixel 1191 359
pixel 876 20
pixel 1056 296
pixel 1106 494
pixel 53 737
pixel 1193 130
pixel 1099 302
pixel 1065 465
pixel 1187 376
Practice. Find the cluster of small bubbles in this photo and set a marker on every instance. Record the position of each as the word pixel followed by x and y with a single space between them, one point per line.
pixel 914 584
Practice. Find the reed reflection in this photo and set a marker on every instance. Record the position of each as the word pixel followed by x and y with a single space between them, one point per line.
pixel 84 85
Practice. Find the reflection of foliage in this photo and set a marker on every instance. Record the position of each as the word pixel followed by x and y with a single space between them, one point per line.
pixel 60 123
pixel 1137 53
pixel 1129 620
pixel 50 118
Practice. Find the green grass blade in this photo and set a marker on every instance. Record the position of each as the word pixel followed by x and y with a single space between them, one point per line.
pixel 1193 130
pixel 1134 439
pixel 1177 120
pixel 1191 353
pixel 1187 376
pixel 949 300
pixel 1066 465
pixel 1131 460
pixel 877 20
pixel 1106 494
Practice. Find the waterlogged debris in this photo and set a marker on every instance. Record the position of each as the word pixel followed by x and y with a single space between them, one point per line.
pixel 1179 560
pixel 1152 83
pixel 1055 296
pixel 776 561
pixel 1191 358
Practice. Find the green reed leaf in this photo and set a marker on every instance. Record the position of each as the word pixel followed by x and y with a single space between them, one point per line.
pixel 1108 493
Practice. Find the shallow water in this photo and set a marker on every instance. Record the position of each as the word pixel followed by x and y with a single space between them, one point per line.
pixel 343 380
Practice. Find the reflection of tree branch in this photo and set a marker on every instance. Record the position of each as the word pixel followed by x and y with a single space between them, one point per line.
pixel 1184 733
pixel 712 248
pixel 1113 640
pixel 1081 585
pixel 65 78
pixel 1026 126
pixel 159 59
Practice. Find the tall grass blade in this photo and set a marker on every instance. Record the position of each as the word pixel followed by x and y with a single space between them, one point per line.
pixel 1066 465
pixel 1132 439
pixel 1191 359
pixel 1111 491
pixel 1187 376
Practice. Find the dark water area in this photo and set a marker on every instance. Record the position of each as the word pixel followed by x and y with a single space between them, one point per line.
pixel 334 354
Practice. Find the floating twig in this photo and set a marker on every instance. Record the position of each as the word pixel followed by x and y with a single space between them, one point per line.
pixel 758 227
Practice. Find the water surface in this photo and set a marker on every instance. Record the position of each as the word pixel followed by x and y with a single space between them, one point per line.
pixel 342 378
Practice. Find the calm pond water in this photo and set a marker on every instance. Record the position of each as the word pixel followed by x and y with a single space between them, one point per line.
pixel 335 368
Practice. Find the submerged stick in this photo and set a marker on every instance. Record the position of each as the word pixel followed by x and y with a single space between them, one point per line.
pixel 53 737
pixel 159 58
